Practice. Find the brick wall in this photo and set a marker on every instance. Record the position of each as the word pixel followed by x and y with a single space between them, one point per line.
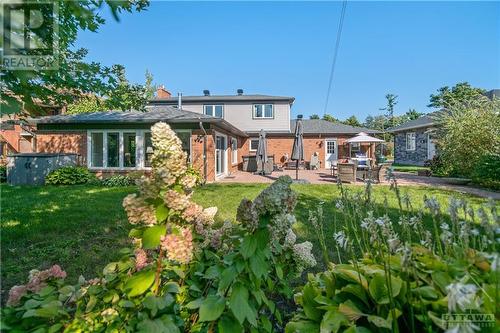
pixel 63 142
pixel 15 143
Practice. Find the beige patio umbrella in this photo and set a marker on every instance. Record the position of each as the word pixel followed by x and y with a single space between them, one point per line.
pixel 362 137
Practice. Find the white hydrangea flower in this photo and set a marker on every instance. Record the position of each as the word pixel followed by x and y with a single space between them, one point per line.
pixel 462 297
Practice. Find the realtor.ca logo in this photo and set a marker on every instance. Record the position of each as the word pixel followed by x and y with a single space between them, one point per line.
pixel 29 33
pixel 473 320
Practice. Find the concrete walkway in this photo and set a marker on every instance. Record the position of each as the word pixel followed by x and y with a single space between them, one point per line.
pixel 324 177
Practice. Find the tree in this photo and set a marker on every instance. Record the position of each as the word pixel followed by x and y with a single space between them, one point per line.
pixel 466 132
pixel 412 114
pixel 352 121
pixel 461 93
pixel 26 90
pixel 314 116
pixel 391 103
pixel 330 118
pixel 122 96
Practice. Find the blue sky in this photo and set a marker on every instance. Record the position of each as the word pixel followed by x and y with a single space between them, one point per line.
pixel 286 48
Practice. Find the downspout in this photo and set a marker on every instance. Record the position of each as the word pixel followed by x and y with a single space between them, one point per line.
pixel 204 151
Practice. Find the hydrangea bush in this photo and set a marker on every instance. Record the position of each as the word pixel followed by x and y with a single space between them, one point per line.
pixel 185 271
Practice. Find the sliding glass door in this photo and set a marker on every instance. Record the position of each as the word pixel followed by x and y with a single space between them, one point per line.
pixel 220 154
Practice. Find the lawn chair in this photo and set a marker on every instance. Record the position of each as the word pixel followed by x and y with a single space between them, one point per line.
pixel 346 172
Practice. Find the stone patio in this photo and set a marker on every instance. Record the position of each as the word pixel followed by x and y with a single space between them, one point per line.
pixel 324 177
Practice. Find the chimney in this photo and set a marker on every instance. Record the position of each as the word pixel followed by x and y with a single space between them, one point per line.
pixel 179 101
pixel 206 92
pixel 161 92
pixel 239 92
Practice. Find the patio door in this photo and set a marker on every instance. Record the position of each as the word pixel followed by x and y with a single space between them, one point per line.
pixel 220 155
pixel 331 154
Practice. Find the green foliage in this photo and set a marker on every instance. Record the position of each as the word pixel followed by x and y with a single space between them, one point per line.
pixel 117 180
pixel 466 132
pixel 3 173
pixel 27 91
pixel 196 174
pixel 352 121
pixel 330 118
pixel 461 93
pixel 69 176
pixel 392 100
pixel 314 116
pixel 357 295
pixel 86 104
pixel 438 167
pixel 487 171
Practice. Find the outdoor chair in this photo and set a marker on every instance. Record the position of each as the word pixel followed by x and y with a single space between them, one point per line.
pixel 379 173
pixel 314 164
pixel 346 172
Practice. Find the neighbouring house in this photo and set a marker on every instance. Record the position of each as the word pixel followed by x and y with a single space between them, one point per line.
pixel 413 142
pixel 218 132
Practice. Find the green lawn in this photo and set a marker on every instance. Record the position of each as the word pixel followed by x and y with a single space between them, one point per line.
pixel 83 227
pixel 408 168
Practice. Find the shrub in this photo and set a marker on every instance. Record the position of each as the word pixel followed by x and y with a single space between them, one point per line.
pixel 437 167
pixel 3 173
pixel 69 176
pixel 196 174
pixel 487 171
pixel 117 180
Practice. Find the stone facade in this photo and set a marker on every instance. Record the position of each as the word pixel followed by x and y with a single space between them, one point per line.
pixel 411 157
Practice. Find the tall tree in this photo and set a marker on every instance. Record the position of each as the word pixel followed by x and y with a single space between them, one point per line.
pixel 460 93
pixel 27 90
pixel 352 121
pixel 391 103
pixel 149 86
pixel 330 118
pixel 412 114
pixel 314 116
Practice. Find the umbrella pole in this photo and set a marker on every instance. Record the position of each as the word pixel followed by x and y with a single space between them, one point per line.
pixel 297 171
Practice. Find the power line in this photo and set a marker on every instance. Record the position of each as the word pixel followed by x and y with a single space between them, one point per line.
pixel 336 51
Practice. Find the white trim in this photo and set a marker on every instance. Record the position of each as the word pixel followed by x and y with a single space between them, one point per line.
pixel 414 139
pixel 263 111
pixel 139 151
pixel 250 144
pixel 234 153
pixel 225 165
pixel 326 149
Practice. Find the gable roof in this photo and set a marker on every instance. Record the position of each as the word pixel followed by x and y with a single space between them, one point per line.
pixel 222 98
pixel 320 126
pixel 424 121
pixel 153 114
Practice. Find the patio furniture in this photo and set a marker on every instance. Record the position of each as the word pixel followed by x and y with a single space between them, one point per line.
pixel 268 166
pixel 315 163
pixel 347 172
pixel 333 168
pixel 379 173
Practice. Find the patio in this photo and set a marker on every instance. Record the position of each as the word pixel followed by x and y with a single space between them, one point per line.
pixel 323 176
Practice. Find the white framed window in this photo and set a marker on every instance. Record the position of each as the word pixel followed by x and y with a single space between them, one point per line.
pixel 234 150
pixel 254 144
pixel 214 110
pixel 411 141
pixel 125 149
pixel 263 111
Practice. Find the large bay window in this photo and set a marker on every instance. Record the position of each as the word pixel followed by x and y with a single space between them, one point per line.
pixel 125 149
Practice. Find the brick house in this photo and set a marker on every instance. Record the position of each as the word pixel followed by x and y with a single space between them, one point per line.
pixel 217 132
pixel 413 143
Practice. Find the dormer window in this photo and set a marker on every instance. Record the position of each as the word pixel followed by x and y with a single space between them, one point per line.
pixel 214 110
pixel 263 111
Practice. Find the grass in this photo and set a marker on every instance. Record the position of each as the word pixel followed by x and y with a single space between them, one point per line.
pixel 83 227
pixel 409 168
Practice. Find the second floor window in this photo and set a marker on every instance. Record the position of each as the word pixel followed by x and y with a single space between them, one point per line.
pixel 214 110
pixel 263 111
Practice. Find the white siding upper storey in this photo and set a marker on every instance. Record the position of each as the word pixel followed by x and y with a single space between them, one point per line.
pixel 249 113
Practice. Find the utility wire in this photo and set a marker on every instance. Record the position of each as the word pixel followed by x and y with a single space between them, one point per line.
pixel 336 51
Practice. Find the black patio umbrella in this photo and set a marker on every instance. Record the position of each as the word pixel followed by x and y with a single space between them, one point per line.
pixel 298 146
pixel 262 150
